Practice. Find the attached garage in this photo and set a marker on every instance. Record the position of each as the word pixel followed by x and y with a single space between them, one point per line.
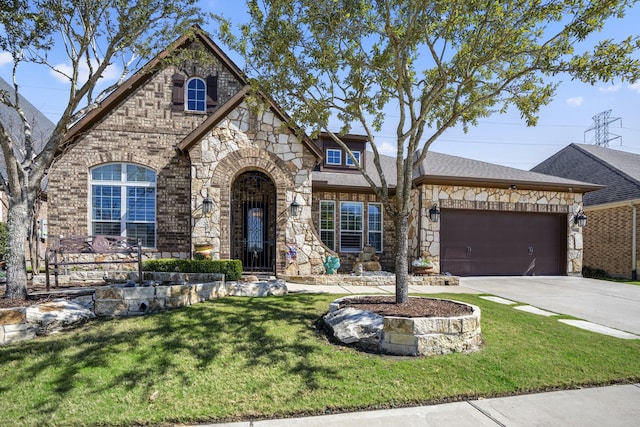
pixel 492 243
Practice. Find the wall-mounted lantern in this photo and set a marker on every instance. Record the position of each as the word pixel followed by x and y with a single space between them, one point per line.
pixel 294 208
pixel 580 219
pixel 434 213
pixel 206 207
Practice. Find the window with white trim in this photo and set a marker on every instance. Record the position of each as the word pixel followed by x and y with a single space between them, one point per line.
pixel 123 202
pixel 196 95
pixel 374 225
pixel 334 157
pixel 351 222
pixel 356 154
pixel 328 223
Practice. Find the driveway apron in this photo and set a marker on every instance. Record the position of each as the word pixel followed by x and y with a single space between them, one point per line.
pixel 611 304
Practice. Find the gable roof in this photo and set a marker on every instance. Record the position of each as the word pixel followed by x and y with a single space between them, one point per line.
pixel 42 127
pixel 145 73
pixel 619 171
pixel 446 169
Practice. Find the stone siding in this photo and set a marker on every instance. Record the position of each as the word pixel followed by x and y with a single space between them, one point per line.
pixel 608 238
pixel 424 235
pixel 249 141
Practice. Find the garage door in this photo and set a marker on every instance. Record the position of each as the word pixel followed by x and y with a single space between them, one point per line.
pixel 488 243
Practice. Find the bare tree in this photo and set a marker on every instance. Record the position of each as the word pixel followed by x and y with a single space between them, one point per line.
pixel 95 37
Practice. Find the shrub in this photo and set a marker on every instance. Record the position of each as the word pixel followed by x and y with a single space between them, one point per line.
pixel 594 273
pixel 231 268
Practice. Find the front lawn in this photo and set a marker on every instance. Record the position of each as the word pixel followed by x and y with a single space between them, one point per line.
pixel 240 358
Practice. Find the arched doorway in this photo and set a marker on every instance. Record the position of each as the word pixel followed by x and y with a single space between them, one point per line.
pixel 253 221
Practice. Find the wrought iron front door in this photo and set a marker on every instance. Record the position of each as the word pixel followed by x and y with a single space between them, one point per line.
pixel 253 207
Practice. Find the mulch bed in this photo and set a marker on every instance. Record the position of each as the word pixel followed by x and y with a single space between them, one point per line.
pixel 37 294
pixel 415 307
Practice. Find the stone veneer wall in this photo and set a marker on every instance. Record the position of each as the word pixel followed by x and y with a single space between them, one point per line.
pixel 424 235
pixel 247 141
pixel 143 130
pixel 608 238
pixel 387 256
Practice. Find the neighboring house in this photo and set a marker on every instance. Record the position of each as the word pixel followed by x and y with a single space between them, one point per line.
pixel 183 158
pixel 612 233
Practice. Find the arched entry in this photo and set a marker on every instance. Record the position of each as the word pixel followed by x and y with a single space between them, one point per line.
pixel 253 221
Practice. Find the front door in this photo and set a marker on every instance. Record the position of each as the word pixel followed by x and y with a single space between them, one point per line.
pixel 253 222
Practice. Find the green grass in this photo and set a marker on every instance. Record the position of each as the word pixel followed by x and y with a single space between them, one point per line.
pixel 236 358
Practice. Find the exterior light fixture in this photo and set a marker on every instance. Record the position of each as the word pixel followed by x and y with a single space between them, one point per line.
pixel 580 219
pixel 295 207
pixel 434 213
pixel 207 205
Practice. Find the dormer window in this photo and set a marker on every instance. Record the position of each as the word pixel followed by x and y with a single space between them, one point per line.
pixel 334 157
pixel 196 95
pixel 356 154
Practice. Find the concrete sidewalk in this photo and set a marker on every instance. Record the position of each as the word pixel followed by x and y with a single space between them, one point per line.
pixel 605 406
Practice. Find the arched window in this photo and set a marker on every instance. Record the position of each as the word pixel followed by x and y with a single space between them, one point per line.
pixel 196 95
pixel 123 202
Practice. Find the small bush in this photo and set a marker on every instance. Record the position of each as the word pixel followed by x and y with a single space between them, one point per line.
pixel 594 273
pixel 231 268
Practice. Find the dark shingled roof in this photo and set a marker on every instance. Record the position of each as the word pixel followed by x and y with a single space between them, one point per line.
pixel 619 171
pixel 42 127
pixel 441 168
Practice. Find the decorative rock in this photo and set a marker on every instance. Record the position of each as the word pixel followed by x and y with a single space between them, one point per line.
pixel 57 315
pixel 257 289
pixel 350 325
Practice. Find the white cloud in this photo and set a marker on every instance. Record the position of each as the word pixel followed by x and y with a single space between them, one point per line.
pixel 5 58
pixel 576 101
pixel 635 86
pixel 110 73
pixel 609 89
pixel 387 149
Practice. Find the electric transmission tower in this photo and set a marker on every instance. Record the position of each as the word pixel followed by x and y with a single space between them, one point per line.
pixel 601 124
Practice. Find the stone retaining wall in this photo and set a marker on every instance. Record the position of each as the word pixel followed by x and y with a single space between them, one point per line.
pixel 164 292
pixel 386 280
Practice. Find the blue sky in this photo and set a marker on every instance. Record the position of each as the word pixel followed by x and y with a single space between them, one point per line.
pixel 501 139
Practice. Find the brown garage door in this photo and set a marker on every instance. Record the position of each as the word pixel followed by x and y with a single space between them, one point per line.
pixel 488 243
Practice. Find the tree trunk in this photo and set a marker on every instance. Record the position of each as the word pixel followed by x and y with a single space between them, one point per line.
pixel 402 251
pixel 18 223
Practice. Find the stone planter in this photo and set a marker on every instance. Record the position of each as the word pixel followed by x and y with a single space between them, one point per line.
pixel 404 336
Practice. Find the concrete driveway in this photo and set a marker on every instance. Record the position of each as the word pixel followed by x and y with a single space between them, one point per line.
pixel 606 303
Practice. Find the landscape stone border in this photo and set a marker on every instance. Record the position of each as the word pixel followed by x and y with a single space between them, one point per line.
pixel 162 291
pixel 403 336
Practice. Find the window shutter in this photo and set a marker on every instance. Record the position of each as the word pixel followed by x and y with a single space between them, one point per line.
pixel 177 92
pixel 212 93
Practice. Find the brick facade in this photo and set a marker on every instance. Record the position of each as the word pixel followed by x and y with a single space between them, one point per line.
pixel 608 238
pixel 144 130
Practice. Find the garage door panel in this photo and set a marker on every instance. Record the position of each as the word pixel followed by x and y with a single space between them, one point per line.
pixel 502 243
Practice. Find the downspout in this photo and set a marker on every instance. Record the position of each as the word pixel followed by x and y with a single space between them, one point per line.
pixel 634 243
